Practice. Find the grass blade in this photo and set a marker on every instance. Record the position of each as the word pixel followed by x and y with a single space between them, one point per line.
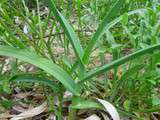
pixel 118 19
pixel 68 30
pixel 124 77
pixel 45 64
pixel 14 40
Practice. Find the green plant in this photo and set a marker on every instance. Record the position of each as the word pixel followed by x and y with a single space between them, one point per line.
pixel 61 74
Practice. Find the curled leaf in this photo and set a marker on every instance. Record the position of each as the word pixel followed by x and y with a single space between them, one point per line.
pixel 110 109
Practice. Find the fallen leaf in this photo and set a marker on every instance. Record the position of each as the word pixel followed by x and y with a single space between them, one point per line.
pixel 31 112
pixel 110 109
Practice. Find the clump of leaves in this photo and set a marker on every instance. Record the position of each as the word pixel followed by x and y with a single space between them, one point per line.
pixel 134 73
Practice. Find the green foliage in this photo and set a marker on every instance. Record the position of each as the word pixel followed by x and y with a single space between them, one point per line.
pixel 61 43
pixel 42 63
pixel 7 104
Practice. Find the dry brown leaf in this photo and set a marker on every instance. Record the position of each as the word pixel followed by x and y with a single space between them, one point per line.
pixel 31 112
pixel 22 95
pixel 19 109
pixel 5 116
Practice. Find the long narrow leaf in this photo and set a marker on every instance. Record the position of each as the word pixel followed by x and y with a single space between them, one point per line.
pixel 45 64
pixel 118 19
pixel 121 61
pixel 102 28
pixel 68 30
pixel 80 103
pixel 34 79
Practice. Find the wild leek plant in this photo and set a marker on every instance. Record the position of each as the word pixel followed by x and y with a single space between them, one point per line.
pixel 34 49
